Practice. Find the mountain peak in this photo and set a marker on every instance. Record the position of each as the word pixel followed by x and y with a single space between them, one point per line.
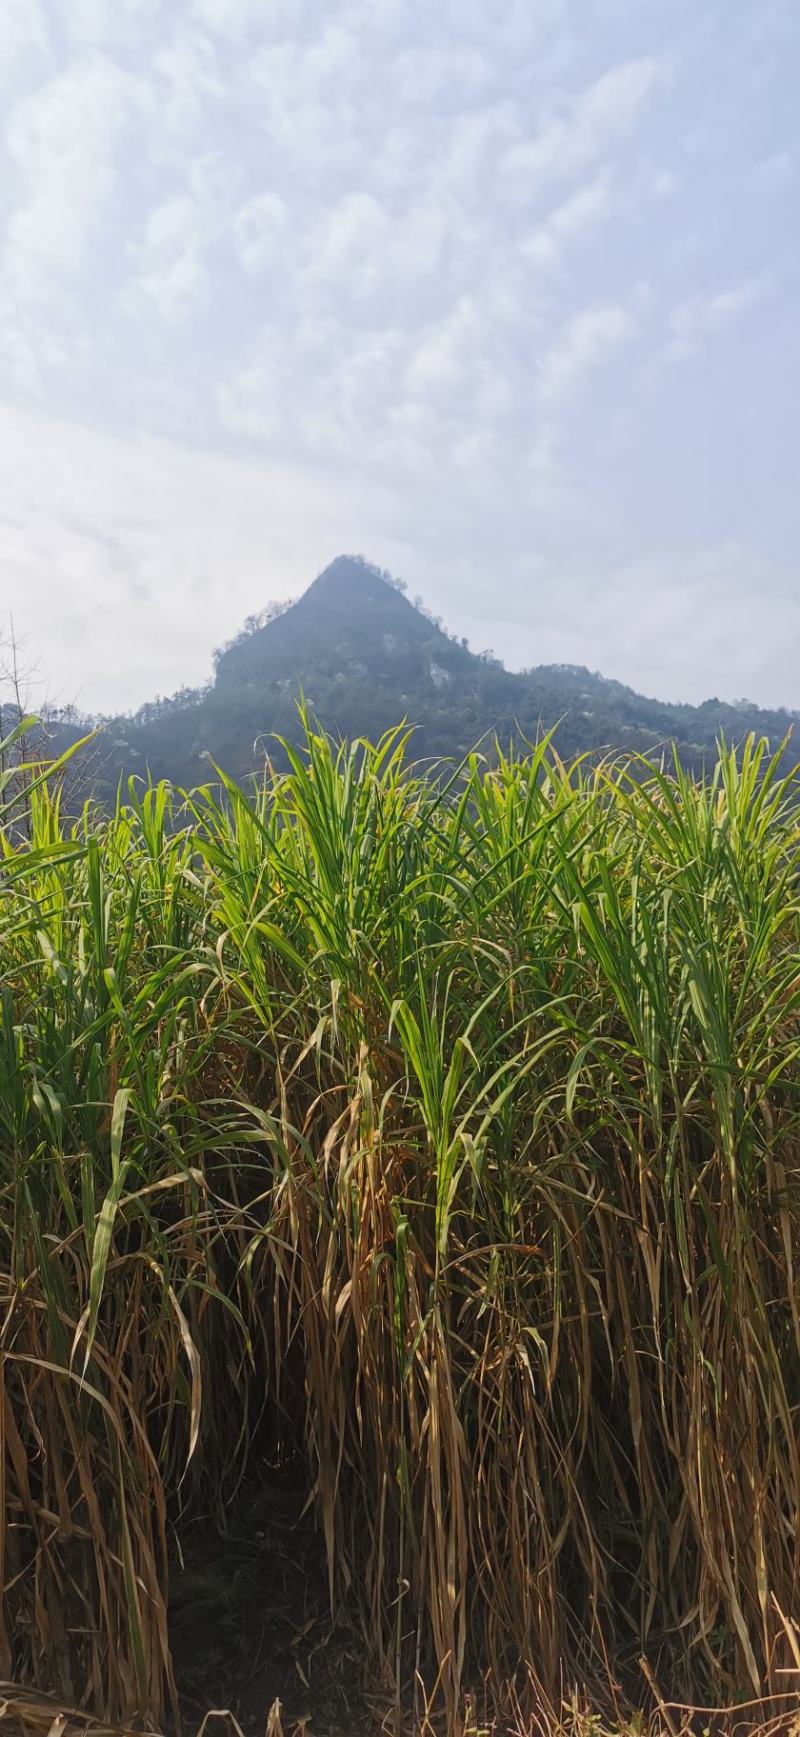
pixel 349 569
pixel 353 618
pixel 350 579
pixel 365 658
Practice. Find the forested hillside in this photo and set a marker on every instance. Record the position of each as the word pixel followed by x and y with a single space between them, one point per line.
pixel 364 658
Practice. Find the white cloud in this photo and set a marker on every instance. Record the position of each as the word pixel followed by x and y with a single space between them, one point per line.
pixel 62 141
pixel 385 246
pixel 258 227
pixel 361 249
pixel 422 76
pixel 628 619
pixel 171 272
pixel 249 404
pixel 233 19
pixel 24 46
pixel 101 23
pixel 771 172
pixel 343 416
pixel 589 339
pixel 441 363
pixel 601 116
pixel 772 26
pixel 350 239
pixel 126 561
pixel 663 183
pixel 305 88
pixel 570 220
pixel 700 317
pixel 189 80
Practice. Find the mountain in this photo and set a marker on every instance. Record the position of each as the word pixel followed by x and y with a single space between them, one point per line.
pixel 365 657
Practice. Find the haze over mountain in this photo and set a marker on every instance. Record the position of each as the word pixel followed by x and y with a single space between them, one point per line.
pixel 365 658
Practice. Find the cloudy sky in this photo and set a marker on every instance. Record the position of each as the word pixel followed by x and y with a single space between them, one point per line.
pixel 502 293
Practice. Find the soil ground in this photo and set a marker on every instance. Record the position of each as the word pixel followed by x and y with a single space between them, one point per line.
pixel 250 1620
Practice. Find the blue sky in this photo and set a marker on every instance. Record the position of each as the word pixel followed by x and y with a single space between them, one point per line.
pixel 501 293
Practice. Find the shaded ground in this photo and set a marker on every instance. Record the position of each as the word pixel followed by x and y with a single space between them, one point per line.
pixel 250 1620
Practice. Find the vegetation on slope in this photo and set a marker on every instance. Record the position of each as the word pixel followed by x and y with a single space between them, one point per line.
pixel 364 656
pixel 445 1137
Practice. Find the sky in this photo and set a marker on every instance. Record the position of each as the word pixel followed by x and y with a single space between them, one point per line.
pixel 503 294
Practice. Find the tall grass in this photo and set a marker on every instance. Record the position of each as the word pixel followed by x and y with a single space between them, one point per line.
pixel 445 1132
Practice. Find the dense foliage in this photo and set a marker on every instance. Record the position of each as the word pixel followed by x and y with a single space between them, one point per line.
pixel 446 1135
